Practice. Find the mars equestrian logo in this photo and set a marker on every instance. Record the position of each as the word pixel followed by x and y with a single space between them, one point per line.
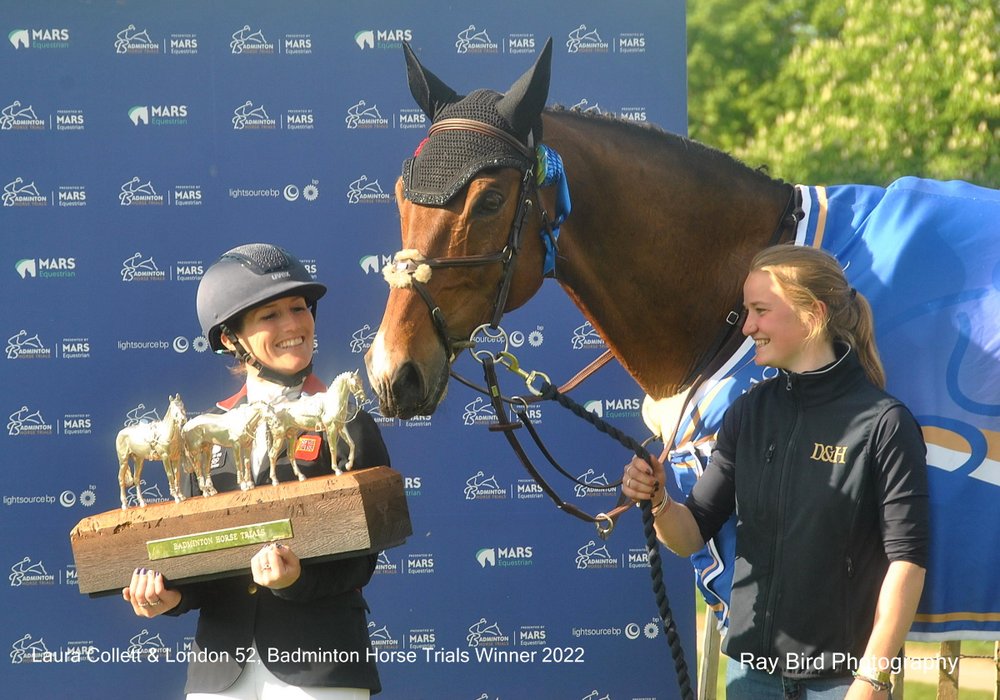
pixel 505 557
pixel 531 635
pixel 633 114
pixel 26 573
pixel 382 39
pixel 521 43
pixel 631 42
pixel 615 407
pixel 297 44
pixel 135 41
pixel 373 264
pixel 594 556
pixel 363 191
pixel 138 268
pixel 480 487
pixel 22 346
pixel 528 490
pixel 637 558
pixel 183 44
pixel 158 115
pixel 417 563
pixel 45 267
pixel 136 193
pixel 252 117
pixel 585 40
pixel 18 117
pixel 19 193
pixel 471 40
pixel 27 423
pixel 361 116
pixel 423 638
pixel 486 634
pixel 246 41
pixel 38 38
pixel 71 196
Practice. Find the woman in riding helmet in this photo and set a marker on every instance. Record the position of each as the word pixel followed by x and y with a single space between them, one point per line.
pixel 287 629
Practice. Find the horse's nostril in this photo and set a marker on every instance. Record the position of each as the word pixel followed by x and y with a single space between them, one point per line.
pixel 408 385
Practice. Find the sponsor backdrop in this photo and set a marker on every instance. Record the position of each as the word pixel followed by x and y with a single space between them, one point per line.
pixel 140 140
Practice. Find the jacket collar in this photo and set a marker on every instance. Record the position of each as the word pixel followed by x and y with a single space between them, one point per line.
pixel 312 385
pixel 828 382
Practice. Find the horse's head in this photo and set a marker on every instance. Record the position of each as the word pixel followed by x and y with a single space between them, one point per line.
pixel 176 413
pixel 462 199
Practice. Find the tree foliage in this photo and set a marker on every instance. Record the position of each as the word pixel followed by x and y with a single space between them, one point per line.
pixel 827 91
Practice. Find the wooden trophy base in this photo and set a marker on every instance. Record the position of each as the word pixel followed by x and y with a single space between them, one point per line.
pixel 325 517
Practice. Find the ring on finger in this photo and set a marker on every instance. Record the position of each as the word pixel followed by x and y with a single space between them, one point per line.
pixel 143 605
pixel 266 567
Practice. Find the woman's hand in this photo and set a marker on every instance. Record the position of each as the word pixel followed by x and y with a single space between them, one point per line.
pixel 148 595
pixel 643 481
pixel 275 566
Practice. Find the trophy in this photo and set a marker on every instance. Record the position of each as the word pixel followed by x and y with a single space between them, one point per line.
pixel 187 539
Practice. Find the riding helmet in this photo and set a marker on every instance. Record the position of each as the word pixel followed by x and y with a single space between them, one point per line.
pixel 248 276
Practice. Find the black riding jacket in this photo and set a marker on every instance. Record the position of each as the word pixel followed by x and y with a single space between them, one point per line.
pixel 827 476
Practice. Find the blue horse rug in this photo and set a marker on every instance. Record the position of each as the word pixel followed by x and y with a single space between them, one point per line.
pixel 927 256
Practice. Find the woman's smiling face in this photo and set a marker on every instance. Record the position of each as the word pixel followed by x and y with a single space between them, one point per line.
pixel 781 338
pixel 279 334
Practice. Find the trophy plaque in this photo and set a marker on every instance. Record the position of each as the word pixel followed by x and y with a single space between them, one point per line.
pixel 325 517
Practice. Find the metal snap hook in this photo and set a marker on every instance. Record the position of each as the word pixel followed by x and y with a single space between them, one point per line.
pixel 605 525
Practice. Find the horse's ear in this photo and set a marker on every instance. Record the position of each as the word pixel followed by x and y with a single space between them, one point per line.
pixel 427 89
pixel 523 103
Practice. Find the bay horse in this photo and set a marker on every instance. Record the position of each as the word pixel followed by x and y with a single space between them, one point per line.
pixel 654 254
pixel 155 440
pixel 645 207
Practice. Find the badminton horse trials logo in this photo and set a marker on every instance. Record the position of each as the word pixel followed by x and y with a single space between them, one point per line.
pixel 24 422
pixel 583 40
pixel 248 116
pixel 16 117
pixel 21 346
pixel 135 192
pixel 24 573
pixel 135 41
pixel 247 41
pixel 361 116
pixel 590 556
pixel 18 194
pixel 137 269
pixel 471 41
pixel 361 191
pixel 486 634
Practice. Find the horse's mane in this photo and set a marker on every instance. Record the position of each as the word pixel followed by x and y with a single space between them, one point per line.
pixel 655 136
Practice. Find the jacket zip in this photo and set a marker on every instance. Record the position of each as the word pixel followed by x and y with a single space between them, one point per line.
pixel 776 542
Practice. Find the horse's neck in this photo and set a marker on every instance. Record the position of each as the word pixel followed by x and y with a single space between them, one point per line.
pixel 658 243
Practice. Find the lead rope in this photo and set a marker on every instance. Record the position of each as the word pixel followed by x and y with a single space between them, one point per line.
pixel 549 392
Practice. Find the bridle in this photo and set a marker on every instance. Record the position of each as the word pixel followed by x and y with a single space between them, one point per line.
pixel 403 271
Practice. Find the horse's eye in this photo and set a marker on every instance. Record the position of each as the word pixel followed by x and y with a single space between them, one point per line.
pixel 489 203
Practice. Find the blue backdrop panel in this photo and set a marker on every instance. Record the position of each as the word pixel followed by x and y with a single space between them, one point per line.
pixel 139 140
